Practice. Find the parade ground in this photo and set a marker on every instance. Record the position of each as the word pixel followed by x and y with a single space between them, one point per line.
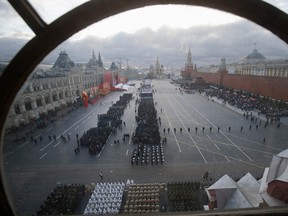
pixel 211 140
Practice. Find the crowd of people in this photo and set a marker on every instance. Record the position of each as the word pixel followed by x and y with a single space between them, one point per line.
pixel 105 199
pixel 145 154
pixel 147 130
pixel 113 115
pixel 249 102
pixel 144 198
pixel 147 135
pixel 63 200
pixel 184 196
pixel 95 138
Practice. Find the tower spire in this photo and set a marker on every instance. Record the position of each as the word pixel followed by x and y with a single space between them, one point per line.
pixel 157 66
pixel 100 61
pixel 222 66
pixel 93 56
pixel 255 46
pixel 189 57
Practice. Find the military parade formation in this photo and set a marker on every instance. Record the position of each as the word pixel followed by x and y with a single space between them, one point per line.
pixel 148 140
pixel 96 137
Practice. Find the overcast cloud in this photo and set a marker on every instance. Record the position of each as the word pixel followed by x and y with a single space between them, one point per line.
pixel 208 44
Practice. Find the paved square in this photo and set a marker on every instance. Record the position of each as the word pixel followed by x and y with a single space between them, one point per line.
pixel 32 171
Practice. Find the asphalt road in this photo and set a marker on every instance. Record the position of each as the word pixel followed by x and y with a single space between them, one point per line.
pixel 32 171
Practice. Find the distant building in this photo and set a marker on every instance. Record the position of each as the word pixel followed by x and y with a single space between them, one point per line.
pixel 256 64
pixel 113 67
pixel 156 71
pixel 95 63
pixel 93 73
pixel 63 61
pixel 186 74
pixel 50 90
pixel 254 74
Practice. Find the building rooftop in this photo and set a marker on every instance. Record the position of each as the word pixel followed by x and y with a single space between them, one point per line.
pixel 248 192
pixel 255 55
pixel 63 61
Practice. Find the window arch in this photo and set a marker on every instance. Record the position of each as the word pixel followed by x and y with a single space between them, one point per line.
pixel 54 96
pixel 61 94
pixel 49 37
pixel 66 93
pixel 17 108
pixel 47 97
pixel 39 101
pixel 28 103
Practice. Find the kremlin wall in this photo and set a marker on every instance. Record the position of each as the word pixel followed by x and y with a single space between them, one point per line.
pixel 273 85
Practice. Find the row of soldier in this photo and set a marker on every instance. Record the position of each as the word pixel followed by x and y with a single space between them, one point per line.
pixel 147 130
pixel 145 154
pixel 209 128
pixel 63 200
pixel 95 138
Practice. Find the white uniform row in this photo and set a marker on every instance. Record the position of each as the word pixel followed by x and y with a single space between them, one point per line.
pixel 105 199
pixel 98 211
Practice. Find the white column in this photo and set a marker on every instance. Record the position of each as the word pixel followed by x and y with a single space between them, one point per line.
pixel 31 87
pixel 43 100
pixel 22 108
pixel 34 104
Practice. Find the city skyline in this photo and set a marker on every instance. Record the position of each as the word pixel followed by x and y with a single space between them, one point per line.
pixel 151 32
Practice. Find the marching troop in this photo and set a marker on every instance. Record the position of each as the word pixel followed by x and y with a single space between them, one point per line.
pixel 95 138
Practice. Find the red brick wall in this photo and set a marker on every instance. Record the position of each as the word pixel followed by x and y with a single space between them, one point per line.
pixel 208 77
pixel 267 86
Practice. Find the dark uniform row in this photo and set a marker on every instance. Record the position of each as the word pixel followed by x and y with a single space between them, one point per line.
pixel 147 130
pixel 63 200
pixel 95 138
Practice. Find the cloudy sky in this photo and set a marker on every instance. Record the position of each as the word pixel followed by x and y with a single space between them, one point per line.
pixel 142 35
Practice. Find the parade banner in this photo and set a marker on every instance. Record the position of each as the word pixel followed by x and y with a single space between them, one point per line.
pixel 107 78
pixel 116 78
pixel 105 88
pixel 85 98
pixel 92 91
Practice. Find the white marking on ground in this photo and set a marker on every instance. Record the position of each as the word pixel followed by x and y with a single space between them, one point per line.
pixel 217 127
pixel 227 159
pixel 46 146
pixel 43 156
pixel 37 136
pixel 23 144
pixel 100 151
pixel 56 144
pixel 8 153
